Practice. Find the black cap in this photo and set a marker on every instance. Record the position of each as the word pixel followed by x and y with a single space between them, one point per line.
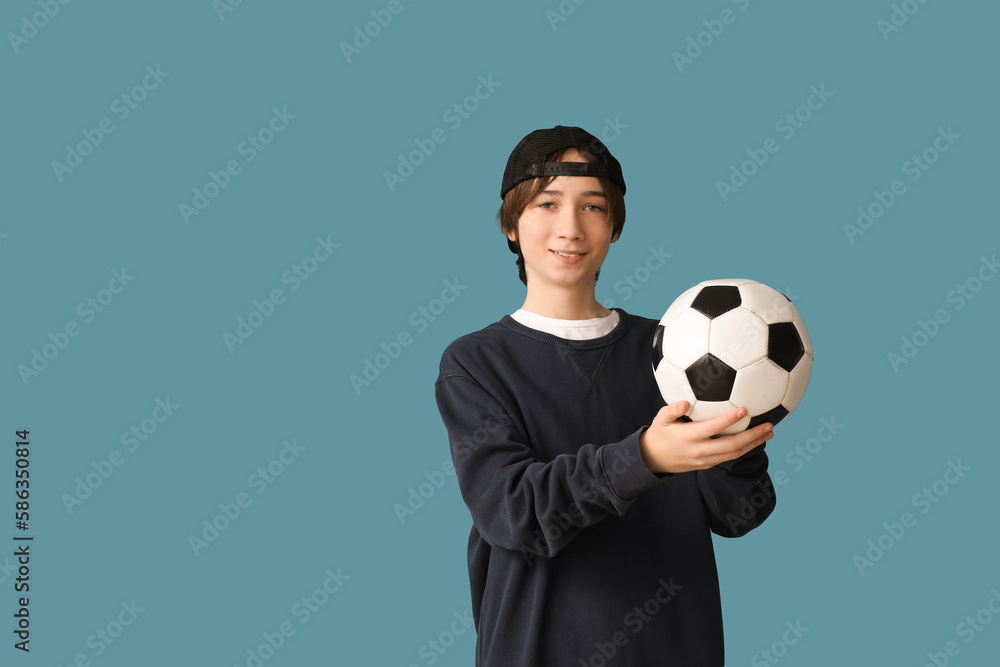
pixel 527 160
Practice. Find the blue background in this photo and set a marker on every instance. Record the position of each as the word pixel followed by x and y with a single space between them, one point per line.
pixel 677 129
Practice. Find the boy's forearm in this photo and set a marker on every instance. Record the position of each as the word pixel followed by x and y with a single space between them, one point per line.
pixel 739 494
pixel 518 502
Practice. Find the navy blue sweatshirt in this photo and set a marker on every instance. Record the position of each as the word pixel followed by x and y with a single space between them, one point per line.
pixel 578 554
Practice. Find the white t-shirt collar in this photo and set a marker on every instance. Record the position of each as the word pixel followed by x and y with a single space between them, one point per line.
pixel 568 329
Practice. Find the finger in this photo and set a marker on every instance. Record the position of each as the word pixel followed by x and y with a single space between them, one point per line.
pixel 716 425
pixel 670 413
pixel 739 443
pixel 679 409
pixel 754 444
pixel 750 438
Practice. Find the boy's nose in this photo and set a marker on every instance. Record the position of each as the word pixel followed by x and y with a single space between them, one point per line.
pixel 570 225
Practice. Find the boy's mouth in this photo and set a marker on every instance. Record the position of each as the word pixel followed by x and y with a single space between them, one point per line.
pixel 568 258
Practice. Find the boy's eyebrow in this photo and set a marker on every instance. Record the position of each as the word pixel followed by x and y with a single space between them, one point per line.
pixel 559 193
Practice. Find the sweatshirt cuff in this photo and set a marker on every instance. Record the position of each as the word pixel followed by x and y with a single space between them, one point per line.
pixel 626 472
pixel 748 463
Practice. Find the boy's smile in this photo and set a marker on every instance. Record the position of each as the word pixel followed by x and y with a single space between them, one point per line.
pixel 568 257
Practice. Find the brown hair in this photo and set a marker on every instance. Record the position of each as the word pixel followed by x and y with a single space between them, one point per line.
pixel 518 198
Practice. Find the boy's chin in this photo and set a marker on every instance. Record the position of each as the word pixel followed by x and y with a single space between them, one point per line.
pixel 569 279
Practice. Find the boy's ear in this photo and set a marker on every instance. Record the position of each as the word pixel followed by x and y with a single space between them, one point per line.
pixel 512 236
pixel 615 237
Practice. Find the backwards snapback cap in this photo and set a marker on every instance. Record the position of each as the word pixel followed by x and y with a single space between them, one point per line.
pixel 527 160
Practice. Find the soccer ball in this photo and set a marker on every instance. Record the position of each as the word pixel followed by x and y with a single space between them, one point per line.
pixel 729 343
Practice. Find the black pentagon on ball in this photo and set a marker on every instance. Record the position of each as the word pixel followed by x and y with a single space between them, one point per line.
pixel 711 379
pixel 658 346
pixel 774 415
pixel 784 345
pixel 715 300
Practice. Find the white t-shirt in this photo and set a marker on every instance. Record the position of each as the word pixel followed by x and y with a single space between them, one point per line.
pixel 569 329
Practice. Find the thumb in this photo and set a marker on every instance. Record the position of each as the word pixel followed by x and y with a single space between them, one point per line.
pixel 670 413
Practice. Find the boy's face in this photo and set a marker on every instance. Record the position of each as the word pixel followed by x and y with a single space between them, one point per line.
pixel 565 231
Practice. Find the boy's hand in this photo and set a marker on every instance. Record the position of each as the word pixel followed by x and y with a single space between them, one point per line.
pixel 672 446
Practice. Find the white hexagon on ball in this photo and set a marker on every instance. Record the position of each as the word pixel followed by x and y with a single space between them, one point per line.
pixel 760 387
pixel 768 303
pixel 673 384
pixel 685 338
pixel 738 338
pixel 798 379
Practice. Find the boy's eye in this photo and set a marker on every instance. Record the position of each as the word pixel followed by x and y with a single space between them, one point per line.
pixel 588 207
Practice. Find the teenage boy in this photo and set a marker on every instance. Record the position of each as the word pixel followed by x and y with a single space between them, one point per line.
pixel 592 504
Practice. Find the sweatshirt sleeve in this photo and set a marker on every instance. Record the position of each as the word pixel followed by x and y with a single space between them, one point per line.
pixel 518 502
pixel 738 493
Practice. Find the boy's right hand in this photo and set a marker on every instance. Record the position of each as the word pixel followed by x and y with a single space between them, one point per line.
pixel 670 446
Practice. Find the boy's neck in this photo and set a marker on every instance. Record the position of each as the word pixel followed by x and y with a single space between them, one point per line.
pixel 565 305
